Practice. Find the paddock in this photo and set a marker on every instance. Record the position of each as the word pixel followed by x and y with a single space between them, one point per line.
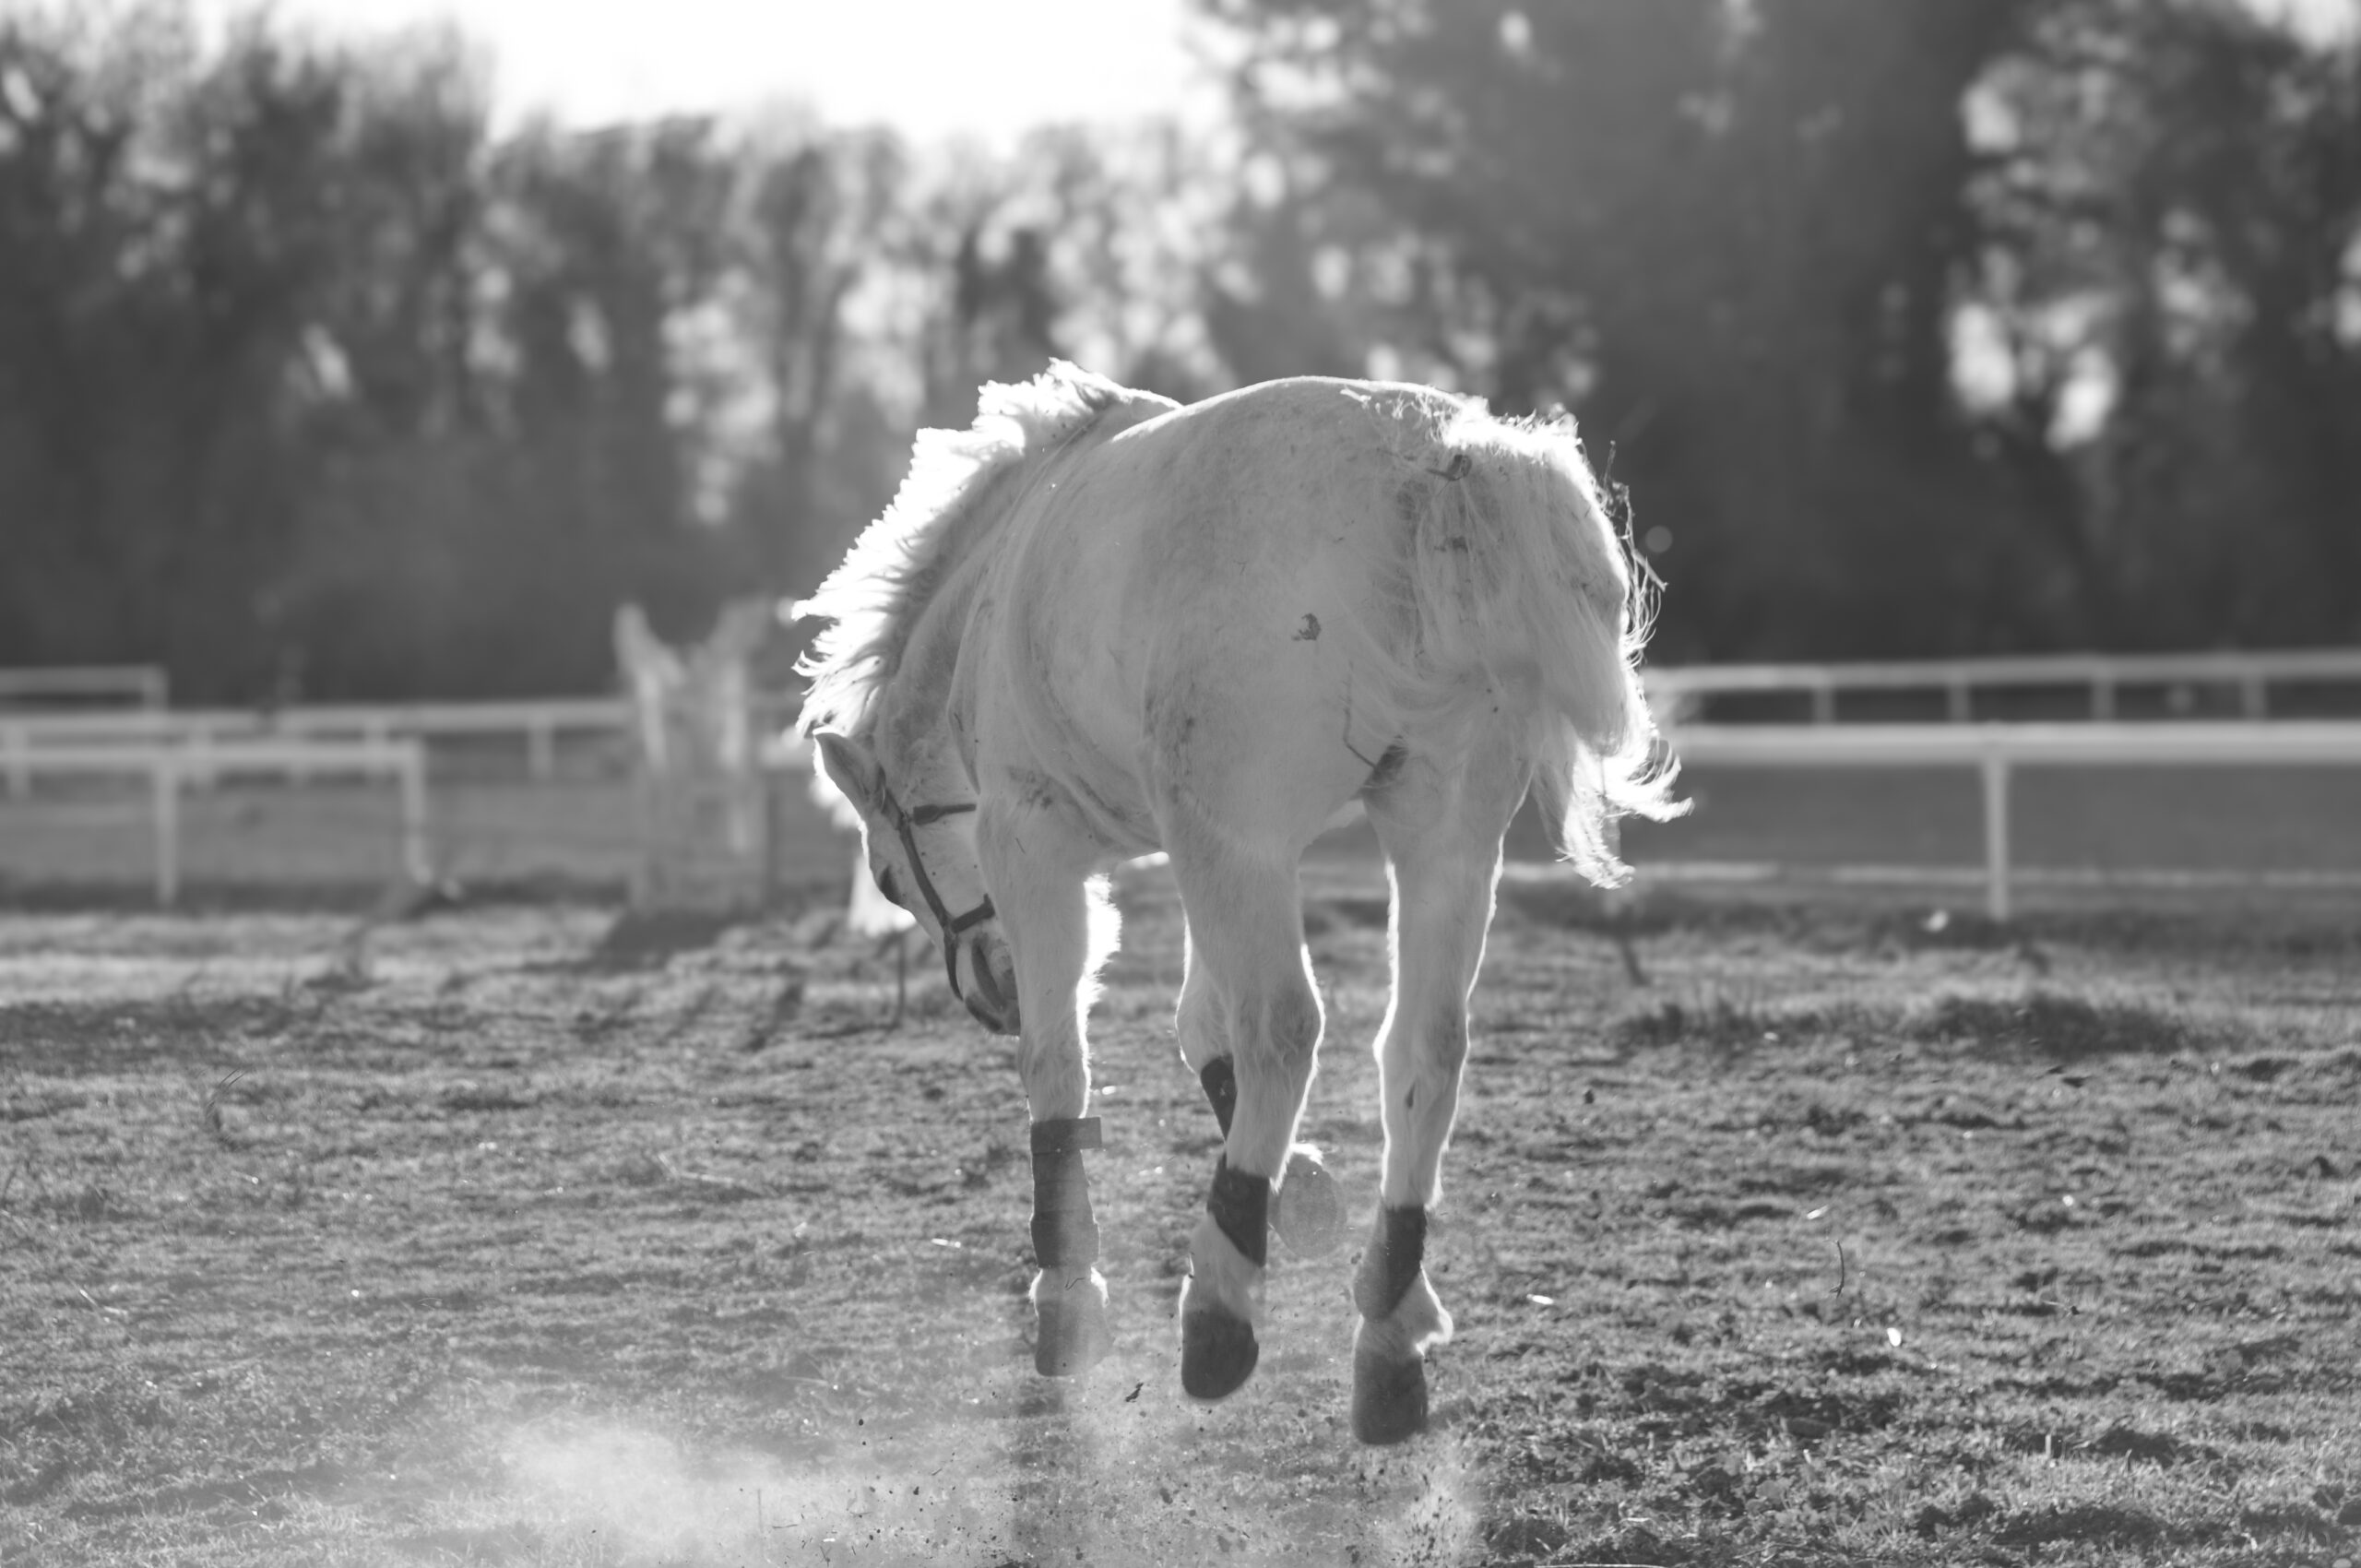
pixel 1787 1220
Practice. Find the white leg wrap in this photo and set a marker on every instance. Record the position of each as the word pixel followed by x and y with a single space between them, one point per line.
pixel 1220 1272
pixel 1416 1325
pixel 1089 1279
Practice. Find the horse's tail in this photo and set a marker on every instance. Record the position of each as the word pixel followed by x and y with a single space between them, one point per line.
pixel 1518 584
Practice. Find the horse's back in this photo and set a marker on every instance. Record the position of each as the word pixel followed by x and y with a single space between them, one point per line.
pixel 1215 513
pixel 1187 603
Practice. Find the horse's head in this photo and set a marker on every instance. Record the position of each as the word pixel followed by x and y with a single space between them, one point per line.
pixel 922 852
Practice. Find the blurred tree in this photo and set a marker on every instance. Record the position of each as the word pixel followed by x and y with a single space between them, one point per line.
pixel 602 244
pixel 993 304
pixel 1093 244
pixel 1911 325
pixel 381 594
pixel 1133 218
pixel 1727 234
pixel 819 225
pixel 307 384
pixel 1266 312
pixel 2171 305
pixel 514 418
pixel 165 228
pixel 1942 324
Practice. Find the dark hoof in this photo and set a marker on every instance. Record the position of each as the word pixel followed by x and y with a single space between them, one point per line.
pixel 1073 1336
pixel 1389 1399
pixel 1217 1354
pixel 1308 1211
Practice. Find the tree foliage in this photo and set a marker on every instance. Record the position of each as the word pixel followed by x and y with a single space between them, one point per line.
pixel 2173 205
pixel 1773 251
pixel 1908 326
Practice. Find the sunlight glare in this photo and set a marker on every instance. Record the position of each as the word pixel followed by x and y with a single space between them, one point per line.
pixel 931 68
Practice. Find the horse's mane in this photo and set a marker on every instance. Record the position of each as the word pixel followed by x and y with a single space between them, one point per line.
pixel 875 597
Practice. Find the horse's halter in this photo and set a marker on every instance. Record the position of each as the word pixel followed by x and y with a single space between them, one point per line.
pixel 907 823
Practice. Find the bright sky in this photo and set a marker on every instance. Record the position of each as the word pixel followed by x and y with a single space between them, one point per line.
pixel 2320 18
pixel 931 68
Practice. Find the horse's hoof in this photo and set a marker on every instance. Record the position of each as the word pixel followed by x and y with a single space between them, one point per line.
pixel 1308 1210
pixel 1072 1334
pixel 1389 1399
pixel 1217 1353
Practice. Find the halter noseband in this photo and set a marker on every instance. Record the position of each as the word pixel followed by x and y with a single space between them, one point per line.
pixel 907 823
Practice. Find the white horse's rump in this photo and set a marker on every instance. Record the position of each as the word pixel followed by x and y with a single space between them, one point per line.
pixel 1097 625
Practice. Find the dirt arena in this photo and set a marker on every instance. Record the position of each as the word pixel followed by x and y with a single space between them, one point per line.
pixel 519 1234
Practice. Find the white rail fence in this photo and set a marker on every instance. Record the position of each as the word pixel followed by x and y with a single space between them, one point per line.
pixel 168 767
pixel 176 748
pixel 1997 750
pixel 142 684
pixel 25 738
pixel 2251 674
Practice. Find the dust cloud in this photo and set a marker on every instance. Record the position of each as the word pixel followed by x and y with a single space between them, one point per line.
pixel 1051 1475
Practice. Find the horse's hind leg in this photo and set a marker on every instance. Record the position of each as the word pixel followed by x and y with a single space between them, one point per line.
pixel 1307 1211
pixel 1253 991
pixel 1044 907
pixel 1441 833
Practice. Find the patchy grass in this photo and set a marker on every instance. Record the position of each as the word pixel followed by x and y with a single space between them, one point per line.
pixel 516 1236
pixel 2040 1022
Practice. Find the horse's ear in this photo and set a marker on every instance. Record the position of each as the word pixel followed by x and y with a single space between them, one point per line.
pixel 850 768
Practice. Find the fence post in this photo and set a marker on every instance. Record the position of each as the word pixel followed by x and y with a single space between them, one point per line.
pixel 1996 834
pixel 647 797
pixel 283 725
pixel 1823 702
pixel 202 772
pixel 166 784
pixel 413 782
pixel 2254 698
pixel 2102 697
pixel 540 746
pixel 1956 700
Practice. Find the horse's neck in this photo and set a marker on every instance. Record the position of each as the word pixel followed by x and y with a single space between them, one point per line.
pixel 914 734
pixel 915 725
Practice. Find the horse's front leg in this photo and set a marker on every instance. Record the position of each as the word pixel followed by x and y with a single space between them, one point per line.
pixel 1037 878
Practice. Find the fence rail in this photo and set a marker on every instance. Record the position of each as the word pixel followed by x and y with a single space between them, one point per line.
pixel 1996 750
pixel 168 766
pixel 25 737
pixel 541 723
pixel 142 683
pixel 2251 672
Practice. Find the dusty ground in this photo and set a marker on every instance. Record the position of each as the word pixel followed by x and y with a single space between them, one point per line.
pixel 505 1236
